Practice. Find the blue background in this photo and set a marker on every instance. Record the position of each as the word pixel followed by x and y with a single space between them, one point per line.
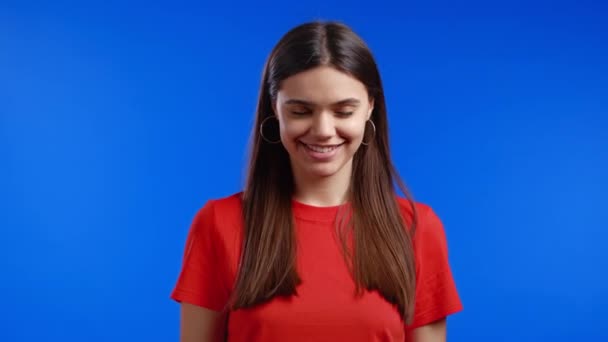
pixel 119 120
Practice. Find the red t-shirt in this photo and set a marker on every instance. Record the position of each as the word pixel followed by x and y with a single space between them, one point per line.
pixel 326 308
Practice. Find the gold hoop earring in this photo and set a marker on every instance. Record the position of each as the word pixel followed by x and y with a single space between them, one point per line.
pixel 262 131
pixel 373 137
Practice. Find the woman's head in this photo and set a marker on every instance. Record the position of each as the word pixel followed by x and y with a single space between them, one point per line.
pixel 320 113
pixel 322 97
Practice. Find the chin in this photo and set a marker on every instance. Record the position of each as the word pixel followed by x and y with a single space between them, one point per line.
pixel 323 171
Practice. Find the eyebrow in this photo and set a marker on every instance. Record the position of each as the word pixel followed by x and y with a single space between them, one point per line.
pixel 348 101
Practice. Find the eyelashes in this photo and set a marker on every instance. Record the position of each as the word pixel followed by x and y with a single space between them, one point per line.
pixel 345 113
pixel 307 112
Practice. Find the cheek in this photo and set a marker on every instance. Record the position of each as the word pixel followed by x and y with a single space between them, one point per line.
pixel 352 130
pixel 292 130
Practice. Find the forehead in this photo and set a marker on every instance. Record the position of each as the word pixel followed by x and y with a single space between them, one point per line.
pixel 322 85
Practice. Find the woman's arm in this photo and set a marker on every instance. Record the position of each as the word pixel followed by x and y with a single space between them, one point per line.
pixel 198 324
pixel 434 332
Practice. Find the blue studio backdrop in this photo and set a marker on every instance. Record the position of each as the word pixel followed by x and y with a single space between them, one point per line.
pixel 118 120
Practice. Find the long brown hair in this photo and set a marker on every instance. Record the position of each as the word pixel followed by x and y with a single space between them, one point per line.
pixel 381 255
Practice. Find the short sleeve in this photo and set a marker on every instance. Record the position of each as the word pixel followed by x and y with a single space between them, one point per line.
pixel 200 280
pixel 436 293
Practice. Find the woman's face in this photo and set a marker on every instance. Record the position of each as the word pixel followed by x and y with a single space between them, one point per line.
pixel 322 115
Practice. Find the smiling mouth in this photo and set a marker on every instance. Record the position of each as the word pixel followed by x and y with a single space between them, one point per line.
pixel 321 148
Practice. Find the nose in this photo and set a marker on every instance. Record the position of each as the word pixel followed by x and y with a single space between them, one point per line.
pixel 323 125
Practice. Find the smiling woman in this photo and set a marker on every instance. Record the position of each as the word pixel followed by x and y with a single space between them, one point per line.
pixel 318 246
pixel 322 114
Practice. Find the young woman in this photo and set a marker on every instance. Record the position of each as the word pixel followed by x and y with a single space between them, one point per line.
pixel 318 246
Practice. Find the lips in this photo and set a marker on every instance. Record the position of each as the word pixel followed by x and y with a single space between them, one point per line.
pixel 321 148
pixel 321 153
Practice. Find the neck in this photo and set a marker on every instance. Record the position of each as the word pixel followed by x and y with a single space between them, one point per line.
pixel 323 191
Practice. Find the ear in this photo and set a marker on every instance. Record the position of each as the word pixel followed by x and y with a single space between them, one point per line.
pixel 371 108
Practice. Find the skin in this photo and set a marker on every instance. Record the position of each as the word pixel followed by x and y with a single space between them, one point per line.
pixel 198 324
pixel 434 332
pixel 320 107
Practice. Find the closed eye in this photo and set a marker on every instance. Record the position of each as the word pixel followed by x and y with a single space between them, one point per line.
pixel 344 113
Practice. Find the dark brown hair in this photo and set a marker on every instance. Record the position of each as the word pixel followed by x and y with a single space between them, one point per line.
pixel 381 255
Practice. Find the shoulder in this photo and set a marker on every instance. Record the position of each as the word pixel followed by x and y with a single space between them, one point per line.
pixel 217 213
pixel 412 211
pixel 220 206
pixel 429 241
pixel 227 203
pixel 428 226
pixel 436 292
pixel 211 254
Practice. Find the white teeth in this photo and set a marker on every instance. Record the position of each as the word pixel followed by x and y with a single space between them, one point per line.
pixel 321 149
